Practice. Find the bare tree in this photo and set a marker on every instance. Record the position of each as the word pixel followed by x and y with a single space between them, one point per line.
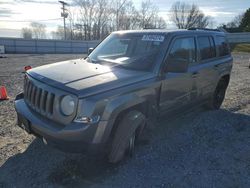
pixel 26 33
pixel 101 18
pixel 72 19
pixel 38 30
pixel 119 10
pixel 235 22
pixel 128 17
pixel 94 19
pixel 149 16
pixel 187 16
pixel 87 11
pixel 132 18
pixel 160 23
pixel 59 33
pixel 147 13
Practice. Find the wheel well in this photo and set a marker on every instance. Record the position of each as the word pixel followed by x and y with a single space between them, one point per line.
pixel 143 108
pixel 225 79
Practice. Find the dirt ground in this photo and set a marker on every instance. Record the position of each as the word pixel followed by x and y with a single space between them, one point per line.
pixel 198 149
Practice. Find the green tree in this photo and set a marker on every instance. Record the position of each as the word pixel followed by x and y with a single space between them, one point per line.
pixel 245 22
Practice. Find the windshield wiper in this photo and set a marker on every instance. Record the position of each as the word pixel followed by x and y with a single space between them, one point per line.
pixel 91 60
pixel 104 62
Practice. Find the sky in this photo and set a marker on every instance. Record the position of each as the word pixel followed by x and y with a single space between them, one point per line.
pixel 16 14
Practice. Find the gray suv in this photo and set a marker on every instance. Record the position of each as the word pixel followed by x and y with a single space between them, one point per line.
pixel 103 103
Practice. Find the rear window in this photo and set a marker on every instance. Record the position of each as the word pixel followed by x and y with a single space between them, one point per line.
pixel 223 46
pixel 207 47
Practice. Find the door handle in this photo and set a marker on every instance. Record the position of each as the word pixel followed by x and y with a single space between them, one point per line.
pixel 194 74
pixel 217 66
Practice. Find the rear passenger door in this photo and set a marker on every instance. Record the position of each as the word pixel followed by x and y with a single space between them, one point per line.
pixel 206 69
pixel 178 89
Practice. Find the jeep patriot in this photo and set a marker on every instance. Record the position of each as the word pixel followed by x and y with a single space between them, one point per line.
pixel 104 102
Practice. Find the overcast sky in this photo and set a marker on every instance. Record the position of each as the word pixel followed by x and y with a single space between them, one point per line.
pixel 16 14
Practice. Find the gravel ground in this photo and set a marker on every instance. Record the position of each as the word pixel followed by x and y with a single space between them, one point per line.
pixel 199 149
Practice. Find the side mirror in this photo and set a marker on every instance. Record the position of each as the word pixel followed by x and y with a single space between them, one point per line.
pixel 90 50
pixel 177 65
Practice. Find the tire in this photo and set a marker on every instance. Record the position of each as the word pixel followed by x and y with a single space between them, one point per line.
pixel 125 135
pixel 218 96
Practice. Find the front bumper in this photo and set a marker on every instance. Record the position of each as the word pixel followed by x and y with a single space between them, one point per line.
pixel 75 137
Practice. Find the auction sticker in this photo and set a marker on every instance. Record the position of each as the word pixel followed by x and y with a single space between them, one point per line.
pixel 155 38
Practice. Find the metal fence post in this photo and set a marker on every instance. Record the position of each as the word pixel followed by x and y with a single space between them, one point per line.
pixel 14 45
pixel 36 46
pixel 55 47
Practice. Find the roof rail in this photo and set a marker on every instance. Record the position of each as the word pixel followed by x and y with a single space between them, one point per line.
pixel 204 29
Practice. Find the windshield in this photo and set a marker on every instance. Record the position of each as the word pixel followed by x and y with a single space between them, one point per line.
pixel 132 51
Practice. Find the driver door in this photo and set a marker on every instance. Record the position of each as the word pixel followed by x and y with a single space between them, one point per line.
pixel 178 88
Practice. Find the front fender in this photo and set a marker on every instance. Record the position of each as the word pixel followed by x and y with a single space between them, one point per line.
pixel 111 112
pixel 146 98
pixel 114 107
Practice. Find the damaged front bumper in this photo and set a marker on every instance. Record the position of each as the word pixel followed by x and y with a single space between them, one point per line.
pixel 75 137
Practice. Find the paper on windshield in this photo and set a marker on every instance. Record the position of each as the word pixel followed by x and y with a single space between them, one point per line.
pixel 155 38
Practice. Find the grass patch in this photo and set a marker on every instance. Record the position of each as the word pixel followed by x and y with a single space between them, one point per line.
pixel 240 47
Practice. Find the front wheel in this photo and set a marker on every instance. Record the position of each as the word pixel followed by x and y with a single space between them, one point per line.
pixel 125 135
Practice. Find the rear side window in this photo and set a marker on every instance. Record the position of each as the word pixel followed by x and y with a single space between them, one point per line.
pixel 207 47
pixel 223 46
pixel 184 48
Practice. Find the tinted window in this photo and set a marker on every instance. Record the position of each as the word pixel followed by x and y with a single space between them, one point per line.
pixel 223 46
pixel 207 47
pixel 183 48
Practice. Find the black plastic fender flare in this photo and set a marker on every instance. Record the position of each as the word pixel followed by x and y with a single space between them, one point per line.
pixel 126 128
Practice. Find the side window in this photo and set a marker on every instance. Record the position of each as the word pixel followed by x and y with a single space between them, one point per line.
pixel 207 47
pixel 223 46
pixel 183 49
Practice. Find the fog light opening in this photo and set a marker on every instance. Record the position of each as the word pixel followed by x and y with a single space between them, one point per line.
pixel 87 120
pixel 45 141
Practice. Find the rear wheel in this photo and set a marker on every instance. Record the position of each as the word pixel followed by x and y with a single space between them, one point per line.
pixel 218 96
pixel 126 135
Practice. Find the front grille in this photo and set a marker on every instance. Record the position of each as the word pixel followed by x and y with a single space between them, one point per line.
pixel 38 98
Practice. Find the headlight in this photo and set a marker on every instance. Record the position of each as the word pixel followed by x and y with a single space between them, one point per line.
pixel 67 105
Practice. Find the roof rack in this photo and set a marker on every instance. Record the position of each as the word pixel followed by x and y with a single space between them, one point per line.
pixel 204 29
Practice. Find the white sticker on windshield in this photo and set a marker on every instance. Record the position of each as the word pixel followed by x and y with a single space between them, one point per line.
pixel 156 38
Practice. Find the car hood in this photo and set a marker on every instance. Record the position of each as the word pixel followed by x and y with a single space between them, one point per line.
pixel 83 79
